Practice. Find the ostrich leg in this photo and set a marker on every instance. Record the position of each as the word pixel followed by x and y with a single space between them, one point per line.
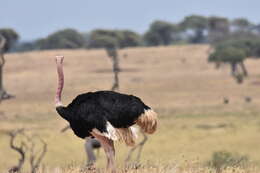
pixel 109 149
pixel 90 152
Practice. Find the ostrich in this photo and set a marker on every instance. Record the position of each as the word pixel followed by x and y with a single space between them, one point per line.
pixel 105 115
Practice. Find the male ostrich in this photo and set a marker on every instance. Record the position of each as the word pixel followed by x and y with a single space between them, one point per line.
pixel 106 115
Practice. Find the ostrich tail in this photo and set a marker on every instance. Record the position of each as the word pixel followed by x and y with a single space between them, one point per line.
pixel 127 135
pixel 148 121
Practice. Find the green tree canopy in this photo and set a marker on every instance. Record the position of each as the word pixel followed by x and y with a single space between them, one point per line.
pixel 241 24
pixel 161 33
pixel 251 46
pixel 11 37
pixel 129 39
pixel 198 24
pixel 63 39
pixel 233 56
pixel 228 55
pixel 218 28
pixel 101 38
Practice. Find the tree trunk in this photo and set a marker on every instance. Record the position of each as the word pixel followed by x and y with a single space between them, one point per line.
pixel 116 70
pixel 2 90
pixel 3 93
pixel 233 68
pixel 243 67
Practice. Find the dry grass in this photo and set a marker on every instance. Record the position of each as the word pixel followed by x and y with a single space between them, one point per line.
pixel 188 97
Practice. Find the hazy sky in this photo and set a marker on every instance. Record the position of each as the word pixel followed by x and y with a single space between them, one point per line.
pixel 37 18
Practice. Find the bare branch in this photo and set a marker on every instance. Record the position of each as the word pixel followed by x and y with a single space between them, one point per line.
pixel 27 145
pixel 34 160
pixel 20 149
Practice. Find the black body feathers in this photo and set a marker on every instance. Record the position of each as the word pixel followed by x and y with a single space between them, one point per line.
pixel 94 109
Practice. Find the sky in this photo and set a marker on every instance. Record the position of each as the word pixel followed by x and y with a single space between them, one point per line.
pixel 34 19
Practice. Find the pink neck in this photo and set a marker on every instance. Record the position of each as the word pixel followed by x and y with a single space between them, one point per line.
pixel 60 83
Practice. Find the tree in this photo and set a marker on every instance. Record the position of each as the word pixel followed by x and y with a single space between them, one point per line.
pixel 63 39
pixel 161 33
pixel 241 25
pixel 27 148
pixel 101 38
pixel 11 38
pixel 198 25
pixel 250 45
pixel 129 39
pixel 218 28
pixel 233 56
pixel 8 37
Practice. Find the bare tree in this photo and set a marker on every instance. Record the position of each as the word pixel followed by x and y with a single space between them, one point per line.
pixel 3 93
pixel 27 148
pixel 36 157
pixel 21 149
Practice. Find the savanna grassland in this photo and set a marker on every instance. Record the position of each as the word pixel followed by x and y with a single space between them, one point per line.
pixel 176 81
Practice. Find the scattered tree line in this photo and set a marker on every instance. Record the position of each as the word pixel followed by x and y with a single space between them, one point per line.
pixel 233 49
pixel 194 29
pixel 232 41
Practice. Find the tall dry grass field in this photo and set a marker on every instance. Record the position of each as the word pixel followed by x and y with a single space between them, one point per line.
pixel 176 81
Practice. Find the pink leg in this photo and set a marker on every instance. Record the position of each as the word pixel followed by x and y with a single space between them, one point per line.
pixel 109 148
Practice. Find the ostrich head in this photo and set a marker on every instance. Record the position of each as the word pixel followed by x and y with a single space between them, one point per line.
pixel 62 111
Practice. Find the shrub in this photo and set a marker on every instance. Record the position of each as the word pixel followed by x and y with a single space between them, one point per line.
pixel 223 159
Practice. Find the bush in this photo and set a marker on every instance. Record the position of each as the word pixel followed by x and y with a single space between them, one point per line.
pixel 223 159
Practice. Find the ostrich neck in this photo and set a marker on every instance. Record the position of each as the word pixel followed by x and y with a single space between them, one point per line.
pixel 60 85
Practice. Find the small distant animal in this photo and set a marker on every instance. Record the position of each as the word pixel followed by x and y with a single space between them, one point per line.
pixel 225 100
pixel 105 115
pixel 248 99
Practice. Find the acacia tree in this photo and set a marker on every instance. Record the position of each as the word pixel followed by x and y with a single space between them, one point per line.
pixel 218 29
pixel 241 25
pixel 7 39
pixel 102 38
pixel 234 57
pixel 197 24
pixel 63 39
pixel 161 33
